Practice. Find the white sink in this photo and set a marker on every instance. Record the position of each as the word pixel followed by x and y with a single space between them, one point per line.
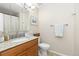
pixel 20 39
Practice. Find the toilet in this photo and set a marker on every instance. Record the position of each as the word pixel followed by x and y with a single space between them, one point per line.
pixel 43 48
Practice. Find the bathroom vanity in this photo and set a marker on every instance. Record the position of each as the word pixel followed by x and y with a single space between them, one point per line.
pixel 28 47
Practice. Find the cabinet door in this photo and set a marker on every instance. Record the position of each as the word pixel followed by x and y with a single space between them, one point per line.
pixel 7 23
pixel 32 51
pixel 14 24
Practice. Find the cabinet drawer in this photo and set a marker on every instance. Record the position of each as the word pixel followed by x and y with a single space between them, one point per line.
pixel 19 49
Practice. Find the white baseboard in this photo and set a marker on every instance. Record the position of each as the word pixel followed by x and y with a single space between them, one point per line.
pixel 54 53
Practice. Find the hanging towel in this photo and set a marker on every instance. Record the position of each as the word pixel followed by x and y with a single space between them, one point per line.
pixel 59 30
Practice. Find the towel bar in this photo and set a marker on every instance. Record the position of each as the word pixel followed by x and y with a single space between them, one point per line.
pixel 53 25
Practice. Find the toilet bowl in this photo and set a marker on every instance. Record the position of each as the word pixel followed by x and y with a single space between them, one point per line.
pixel 43 48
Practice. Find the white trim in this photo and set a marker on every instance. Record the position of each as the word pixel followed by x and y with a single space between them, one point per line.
pixel 56 53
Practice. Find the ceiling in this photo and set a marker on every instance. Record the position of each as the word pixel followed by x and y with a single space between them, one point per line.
pixel 10 8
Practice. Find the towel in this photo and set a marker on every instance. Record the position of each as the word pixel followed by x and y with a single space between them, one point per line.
pixel 59 30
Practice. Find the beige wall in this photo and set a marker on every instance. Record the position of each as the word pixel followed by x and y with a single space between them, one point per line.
pixel 51 14
pixel 34 28
pixel 76 39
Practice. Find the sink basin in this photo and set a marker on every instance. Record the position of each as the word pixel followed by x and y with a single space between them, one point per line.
pixel 20 39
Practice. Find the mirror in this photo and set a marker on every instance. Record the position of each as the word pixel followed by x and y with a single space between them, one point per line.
pixel 16 19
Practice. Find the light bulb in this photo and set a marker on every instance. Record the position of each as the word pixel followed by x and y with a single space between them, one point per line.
pixel 32 7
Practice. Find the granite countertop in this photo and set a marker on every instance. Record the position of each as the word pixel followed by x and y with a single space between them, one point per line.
pixel 12 43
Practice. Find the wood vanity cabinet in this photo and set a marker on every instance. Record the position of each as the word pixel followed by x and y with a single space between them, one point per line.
pixel 26 49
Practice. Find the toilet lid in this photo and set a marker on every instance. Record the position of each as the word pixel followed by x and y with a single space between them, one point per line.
pixel 44 45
